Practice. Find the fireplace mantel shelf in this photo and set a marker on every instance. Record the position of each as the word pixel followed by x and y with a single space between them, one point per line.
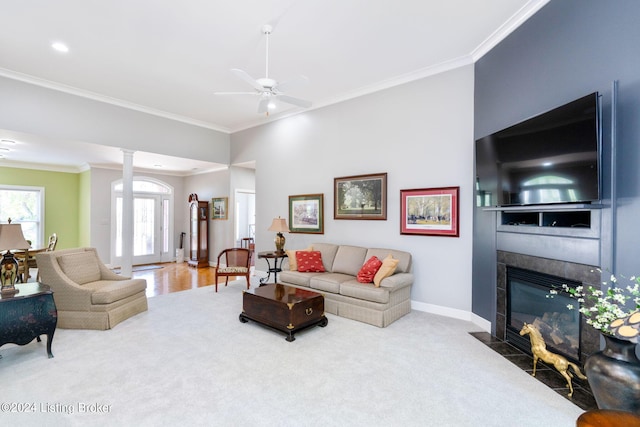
pixel 540 208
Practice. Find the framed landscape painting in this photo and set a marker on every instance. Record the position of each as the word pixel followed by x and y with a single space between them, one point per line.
pixel 360 197
pixel 219 208
pixel 430 211
pixel 306 214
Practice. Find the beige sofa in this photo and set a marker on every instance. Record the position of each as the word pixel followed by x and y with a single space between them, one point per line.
pixel 88 295
pixel 345 296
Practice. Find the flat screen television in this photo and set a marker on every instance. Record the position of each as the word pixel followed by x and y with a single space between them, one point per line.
pixel 554 157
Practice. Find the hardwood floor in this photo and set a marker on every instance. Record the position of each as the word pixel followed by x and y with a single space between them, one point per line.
pixel 174 277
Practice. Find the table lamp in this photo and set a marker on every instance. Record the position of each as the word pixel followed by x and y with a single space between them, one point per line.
pixel 11 237
pixel 279 225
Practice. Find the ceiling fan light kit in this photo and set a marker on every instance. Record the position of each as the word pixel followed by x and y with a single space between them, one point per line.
pixel 267 88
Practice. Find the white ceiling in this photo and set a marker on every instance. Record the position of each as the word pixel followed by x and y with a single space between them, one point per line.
pixel 169 57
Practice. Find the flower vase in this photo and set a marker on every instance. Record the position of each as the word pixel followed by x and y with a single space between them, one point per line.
pixel 614 375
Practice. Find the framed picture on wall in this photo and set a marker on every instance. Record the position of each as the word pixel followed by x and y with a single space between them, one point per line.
pixel 306 214
pixel 219 208
pixel 360 197
pixel 430 211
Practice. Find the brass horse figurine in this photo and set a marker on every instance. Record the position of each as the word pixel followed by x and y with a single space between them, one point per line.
pixel 539 350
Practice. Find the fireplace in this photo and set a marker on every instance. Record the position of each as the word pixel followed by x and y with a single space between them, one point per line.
pixel 523 288
pixel 529 301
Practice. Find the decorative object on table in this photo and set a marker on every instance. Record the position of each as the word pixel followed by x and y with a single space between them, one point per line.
pixel 360 197
pixel 539 351
pixel 279 225
pixel 306 214
pixel 430 211
pixel 11 237
pixel 614 372
pixel 219 208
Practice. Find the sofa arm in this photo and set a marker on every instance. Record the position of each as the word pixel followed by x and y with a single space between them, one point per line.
pixel 397 281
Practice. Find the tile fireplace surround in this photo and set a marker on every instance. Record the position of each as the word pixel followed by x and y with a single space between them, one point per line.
pixel 589 337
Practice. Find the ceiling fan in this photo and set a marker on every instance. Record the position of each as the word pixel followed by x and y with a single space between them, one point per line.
pixel 267 88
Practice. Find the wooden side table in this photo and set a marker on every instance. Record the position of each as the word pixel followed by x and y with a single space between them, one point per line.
pixel 608 418
pixel 27 315
pixel 275 256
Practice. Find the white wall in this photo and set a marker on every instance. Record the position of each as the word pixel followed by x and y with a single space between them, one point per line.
pixel 420 133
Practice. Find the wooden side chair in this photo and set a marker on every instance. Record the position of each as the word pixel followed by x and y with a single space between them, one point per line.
pixel 233 262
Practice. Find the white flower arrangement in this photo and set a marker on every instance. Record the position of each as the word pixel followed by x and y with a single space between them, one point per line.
pixel 606 306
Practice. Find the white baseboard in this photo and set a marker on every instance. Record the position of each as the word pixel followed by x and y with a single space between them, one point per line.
pixel 455 313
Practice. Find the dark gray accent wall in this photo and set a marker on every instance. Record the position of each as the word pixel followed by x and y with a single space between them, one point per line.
pixel 568 49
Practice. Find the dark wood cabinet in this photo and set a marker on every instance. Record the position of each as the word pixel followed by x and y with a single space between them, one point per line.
pixel 198 232
pixel 27 315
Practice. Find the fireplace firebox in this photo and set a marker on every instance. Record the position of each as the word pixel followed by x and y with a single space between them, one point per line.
pixel 529 301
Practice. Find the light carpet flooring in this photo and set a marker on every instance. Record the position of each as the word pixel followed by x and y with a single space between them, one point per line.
pixel 189 361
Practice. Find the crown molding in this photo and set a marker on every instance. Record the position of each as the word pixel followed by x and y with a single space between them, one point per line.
pixel 518 18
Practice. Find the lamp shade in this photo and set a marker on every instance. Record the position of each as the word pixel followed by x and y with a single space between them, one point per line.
pixel 279 225
pixel 11 237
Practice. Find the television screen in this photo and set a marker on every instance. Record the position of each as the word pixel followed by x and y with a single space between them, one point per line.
pixel 553 157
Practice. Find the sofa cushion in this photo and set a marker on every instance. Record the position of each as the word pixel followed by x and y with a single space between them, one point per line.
pixel 291 256
pixel 328 251
pixel 349 260
pixel 369 270
pixel 387 268
pixel 309 261
pixel 329 282
pixel 109 291
pixel 296 278
pixel 367 292
pixel 80 267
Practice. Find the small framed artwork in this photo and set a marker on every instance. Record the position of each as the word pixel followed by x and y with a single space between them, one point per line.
pixel 219 208
pixel 430 211
pixel 360 197
pixel 306 214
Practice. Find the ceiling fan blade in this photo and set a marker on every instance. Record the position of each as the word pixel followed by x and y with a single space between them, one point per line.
pixel 236 93
pixel 242 75
pixel 263 105
pixel 295 101
pixel 293 83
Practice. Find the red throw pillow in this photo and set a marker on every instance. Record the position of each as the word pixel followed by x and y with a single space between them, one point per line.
pixel 309 261
pixel 369 270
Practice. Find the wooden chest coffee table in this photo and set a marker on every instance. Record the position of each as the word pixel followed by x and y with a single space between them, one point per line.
pixel 283 308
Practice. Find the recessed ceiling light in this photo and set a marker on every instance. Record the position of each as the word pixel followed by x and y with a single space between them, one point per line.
pixel 60 47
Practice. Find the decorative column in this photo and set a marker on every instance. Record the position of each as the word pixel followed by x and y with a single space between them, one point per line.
pixel 127 212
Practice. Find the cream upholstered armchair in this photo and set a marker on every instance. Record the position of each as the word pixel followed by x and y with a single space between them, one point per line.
pixel 88 295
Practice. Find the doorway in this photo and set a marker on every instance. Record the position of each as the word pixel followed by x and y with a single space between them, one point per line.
pixel 245 218
pixel 152 221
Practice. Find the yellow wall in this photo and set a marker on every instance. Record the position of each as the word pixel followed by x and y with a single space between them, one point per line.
pixel 62 210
